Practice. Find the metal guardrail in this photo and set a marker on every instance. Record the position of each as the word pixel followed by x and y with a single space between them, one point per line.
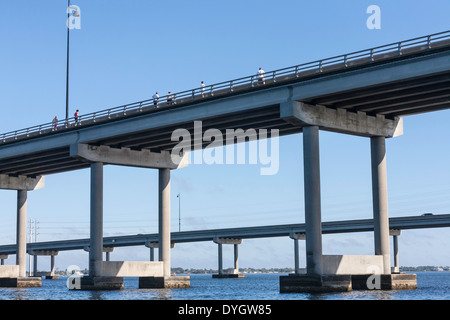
pixel 324 66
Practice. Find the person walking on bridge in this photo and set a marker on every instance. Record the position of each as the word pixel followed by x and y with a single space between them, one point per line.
pixel 77 117
pixel 261 76
pixel 55 123
pixel 202 88
pixel 155 99
pixel 169 99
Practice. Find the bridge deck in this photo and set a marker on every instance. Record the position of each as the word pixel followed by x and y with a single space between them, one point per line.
pixel 41 150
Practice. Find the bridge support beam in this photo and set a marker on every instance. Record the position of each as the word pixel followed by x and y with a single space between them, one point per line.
pixel 340 120
pixel 3 257
pixel 127 157
pixel 235 272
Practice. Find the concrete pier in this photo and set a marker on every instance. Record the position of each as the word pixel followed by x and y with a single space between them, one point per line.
pixel 380 201
pixel 48 275
pixel 296 237
pixel 235 272
pixel 21 234
pixel 313 280
pixel 395 233
pixel 155 245
pixel 167 280
pixel 327 273
pixel 15 276
pixel 164 219
pixel 313 211
pixel 96 280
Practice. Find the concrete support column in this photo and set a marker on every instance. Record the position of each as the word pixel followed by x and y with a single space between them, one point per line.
pixel 21 235
pixel 396 265
pixel 96 232
pixel 52 265
pixel 380 201
pixel 152 254
pixel 164 219
pixel 35 269
pixel 313 223
pixel 296 257
pixel 220 267
pixel 395 233
pixel 108 256
pixel 236 254
pixel 296 237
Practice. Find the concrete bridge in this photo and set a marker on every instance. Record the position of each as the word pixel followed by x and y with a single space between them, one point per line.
pixel 364 93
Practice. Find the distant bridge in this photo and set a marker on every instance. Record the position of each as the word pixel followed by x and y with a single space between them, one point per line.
pixel 349 226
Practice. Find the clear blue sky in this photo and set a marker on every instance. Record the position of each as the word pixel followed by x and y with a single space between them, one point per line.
pixel 126 50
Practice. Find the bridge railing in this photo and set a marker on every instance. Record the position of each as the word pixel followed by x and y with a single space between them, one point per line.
pixel 300 71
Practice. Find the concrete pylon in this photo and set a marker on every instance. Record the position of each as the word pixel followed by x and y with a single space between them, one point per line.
pixel 380 201
pixel 164 242
pixel 235 242
pixel 21 235
pixel 96 223
pixel 313 220
pixel 395 233
pixel 164 219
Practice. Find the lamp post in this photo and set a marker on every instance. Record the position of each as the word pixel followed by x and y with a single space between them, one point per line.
pixel 75 14
pixel 179 211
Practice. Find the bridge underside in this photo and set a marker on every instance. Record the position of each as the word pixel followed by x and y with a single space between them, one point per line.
pixel 391 100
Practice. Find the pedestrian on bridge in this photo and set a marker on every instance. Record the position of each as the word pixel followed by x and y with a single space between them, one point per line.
pixel 155 99
pixel 77 117
pixel 261 76
pixel 169 99
pixel 55 123
pixel 202 85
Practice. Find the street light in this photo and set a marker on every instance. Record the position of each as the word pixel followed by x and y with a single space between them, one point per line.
pixel 75 14
pixel 179 211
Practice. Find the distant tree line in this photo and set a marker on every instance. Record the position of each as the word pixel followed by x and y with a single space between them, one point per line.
pixel 425 268
pixel 241 270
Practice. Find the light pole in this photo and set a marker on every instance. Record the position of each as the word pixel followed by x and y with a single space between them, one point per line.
pixel 67 64
pixel 75 14
pixel 179 212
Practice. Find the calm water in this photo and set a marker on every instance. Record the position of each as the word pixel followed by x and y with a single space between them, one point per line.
pixel 431 286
